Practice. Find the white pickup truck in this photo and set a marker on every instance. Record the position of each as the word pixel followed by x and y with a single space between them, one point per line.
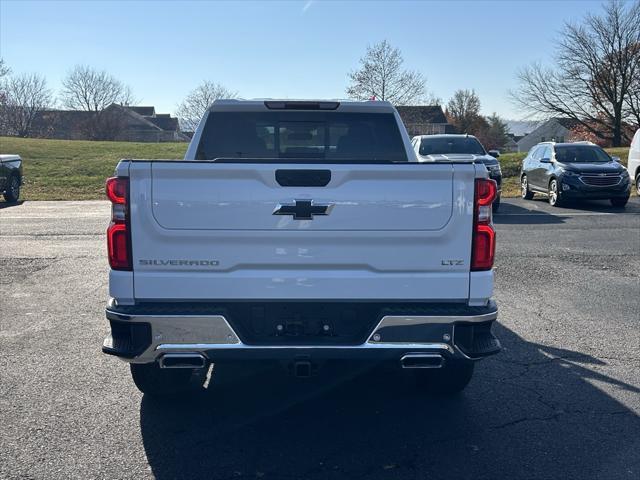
pixel 300 231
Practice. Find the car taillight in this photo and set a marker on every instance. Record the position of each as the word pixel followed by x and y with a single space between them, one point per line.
pixel 484 236
pixel 119 233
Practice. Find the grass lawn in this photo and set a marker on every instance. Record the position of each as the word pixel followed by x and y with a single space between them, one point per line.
pixel 76 169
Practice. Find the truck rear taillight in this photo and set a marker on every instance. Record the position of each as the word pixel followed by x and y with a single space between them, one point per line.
pixel 119 232
pixel 484 236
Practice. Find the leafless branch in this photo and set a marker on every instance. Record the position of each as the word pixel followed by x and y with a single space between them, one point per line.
pixel 463 110
pixel 90 90
pixel 191 110
pixel 4 69
pixel 594 76
pixel 24 96
pixel 381 76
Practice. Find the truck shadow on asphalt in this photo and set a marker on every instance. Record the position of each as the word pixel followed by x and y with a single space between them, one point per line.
pixel 530 412
pixel 538 211
pixel 511 214
pixel 540 206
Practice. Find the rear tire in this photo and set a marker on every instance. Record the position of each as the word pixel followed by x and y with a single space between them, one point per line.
pixel 524 186
pixel 638 184
pixel 451 379
pixel 164 382
pixel 619 202
pixel 12 194
pixel 496 205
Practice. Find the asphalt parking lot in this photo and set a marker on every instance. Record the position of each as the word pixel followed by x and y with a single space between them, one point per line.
pixel 561 401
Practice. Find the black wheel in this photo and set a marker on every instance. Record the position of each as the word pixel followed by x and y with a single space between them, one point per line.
pixel 619 202
pixel 164 382
pixel 638 184
pixel 13 189
pixel 555 196
pixel 524 186
pixel 452 378
pixel 496 204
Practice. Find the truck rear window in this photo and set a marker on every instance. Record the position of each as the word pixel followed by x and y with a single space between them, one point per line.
pixel 450 145
pixel 329 136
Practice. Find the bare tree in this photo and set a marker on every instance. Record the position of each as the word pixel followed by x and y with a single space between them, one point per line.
pixel 90 90
pixel 463 110
pixel 596 65
pixel 382 77
pixel 192 109
pixel 432 99
pixel 4 69
pixel 25 96
pixel 493 134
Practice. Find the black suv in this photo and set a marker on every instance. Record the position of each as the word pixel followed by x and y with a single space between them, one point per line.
pixel 453 146
pixel 568 171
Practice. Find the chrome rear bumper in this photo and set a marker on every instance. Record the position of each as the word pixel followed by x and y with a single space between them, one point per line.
pixel 146 337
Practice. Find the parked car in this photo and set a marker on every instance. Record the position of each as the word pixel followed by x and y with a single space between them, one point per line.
pixel 574 171
pixel 10 177
pixel 300 231
pixel 633 165
pixel 455 147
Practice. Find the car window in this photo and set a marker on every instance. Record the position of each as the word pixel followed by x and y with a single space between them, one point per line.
pixel 545 152
pixel 535 151
pixel 450 145
pixel 330 136
pixel 581 154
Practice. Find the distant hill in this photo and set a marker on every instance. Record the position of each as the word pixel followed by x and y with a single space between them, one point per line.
pixel 520 128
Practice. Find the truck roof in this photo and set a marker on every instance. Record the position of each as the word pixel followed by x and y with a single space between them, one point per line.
pixel 268 104
pixel 568 144
pixel 445 135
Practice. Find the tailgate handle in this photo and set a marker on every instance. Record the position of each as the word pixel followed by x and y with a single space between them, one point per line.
pixel 303 178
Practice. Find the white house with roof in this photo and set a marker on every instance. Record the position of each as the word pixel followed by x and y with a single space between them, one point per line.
pixel 553 130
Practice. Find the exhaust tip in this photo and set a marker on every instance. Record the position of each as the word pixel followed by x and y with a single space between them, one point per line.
pixel 182 360
pixel 422 360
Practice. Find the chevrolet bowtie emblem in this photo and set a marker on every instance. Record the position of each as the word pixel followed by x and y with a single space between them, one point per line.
pixel 302 209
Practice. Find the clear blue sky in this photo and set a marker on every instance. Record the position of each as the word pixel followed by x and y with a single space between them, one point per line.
pixel 305 49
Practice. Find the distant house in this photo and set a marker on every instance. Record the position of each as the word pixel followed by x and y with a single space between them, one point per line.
pixel 144 111
pixel 116 122
pixel 510 145
pixel 521 128
pixel 143 124
pixel 553 130
pixel 424 119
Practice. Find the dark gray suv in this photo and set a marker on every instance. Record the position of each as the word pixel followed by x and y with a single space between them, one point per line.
pixel 574 171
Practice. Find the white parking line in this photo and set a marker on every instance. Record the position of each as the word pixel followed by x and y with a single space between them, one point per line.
pixel 48 217
pixel 578 214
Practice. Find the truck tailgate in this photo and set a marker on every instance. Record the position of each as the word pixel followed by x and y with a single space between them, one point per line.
pixel 207 231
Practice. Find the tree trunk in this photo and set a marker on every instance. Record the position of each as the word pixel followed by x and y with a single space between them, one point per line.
pixel 616 141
